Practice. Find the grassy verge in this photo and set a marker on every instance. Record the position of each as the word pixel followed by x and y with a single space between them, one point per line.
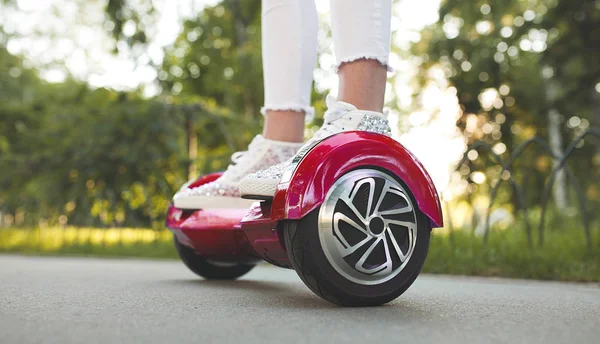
pixel 563 257
pixel 128 242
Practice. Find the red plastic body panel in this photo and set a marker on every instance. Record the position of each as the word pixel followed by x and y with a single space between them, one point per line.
pixel 264 235
pixel 205 179
pixel 215 233
pixel 331 158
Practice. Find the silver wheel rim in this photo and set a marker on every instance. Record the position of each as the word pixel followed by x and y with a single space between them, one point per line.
pixel 368 243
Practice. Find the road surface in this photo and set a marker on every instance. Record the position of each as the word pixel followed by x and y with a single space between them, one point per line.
pixel 79 300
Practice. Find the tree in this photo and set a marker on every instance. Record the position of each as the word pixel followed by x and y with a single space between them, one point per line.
pixel 521 68
pixel 72 153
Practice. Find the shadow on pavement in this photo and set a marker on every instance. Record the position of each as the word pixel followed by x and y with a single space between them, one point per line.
pixel 291 296
pixel 285 294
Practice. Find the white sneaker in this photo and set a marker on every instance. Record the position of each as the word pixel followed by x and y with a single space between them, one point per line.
pixel 339 117
pixel 224 192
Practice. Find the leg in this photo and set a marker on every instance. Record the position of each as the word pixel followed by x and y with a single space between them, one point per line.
pixel 361 34
pixel 289 53
pixel 362 83
pixel 289 57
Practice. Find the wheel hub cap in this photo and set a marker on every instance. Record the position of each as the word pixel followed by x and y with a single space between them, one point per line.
pixel 376 225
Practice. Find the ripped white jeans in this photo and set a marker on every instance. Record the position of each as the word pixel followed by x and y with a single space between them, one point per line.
pixel 360 29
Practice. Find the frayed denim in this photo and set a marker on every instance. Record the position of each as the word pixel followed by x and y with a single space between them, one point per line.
pixel 361 29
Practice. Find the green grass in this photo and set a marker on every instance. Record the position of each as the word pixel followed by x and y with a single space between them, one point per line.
pixel 128 242
pixel 564 256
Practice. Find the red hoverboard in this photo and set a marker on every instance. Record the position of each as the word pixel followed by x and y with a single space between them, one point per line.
pixel 352 216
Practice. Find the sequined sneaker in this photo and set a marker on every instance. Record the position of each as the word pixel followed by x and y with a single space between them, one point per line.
pixel 224 192
pixel 339 117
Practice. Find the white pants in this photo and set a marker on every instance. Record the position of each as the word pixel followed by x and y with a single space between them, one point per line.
pixel 360 29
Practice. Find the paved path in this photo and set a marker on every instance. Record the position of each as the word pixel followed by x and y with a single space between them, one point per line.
pixel 75 300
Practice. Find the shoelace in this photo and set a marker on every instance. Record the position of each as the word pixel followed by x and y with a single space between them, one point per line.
pixel 236 158
pixel 336 110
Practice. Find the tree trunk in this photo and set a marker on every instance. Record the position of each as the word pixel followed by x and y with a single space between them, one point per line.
pixel 556 145
pixel 596 118
pixel 192 146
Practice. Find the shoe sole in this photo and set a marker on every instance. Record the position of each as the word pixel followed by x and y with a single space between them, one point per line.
pixel 258 189
pixel 211 202
pixel 258 197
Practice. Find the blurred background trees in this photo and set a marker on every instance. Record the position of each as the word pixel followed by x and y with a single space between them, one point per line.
pixel 78 153
pixel 522 69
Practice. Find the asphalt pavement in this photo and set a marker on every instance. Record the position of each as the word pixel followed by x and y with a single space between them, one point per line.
pixel 86 300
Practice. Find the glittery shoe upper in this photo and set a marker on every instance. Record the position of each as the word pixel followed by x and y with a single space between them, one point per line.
pixel 340 117
pixel 261 154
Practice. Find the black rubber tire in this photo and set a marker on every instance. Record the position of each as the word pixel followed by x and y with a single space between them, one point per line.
pixel 308 259
pixel 206 269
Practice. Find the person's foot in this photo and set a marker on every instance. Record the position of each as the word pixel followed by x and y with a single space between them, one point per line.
pixel 224 192
pixel 339 117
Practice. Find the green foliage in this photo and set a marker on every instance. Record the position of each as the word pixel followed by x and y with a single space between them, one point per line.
pixel 513 63
pixel 543 51
pixel 97 157
pixel 122 13
pixel 90 155
pixel 218 56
